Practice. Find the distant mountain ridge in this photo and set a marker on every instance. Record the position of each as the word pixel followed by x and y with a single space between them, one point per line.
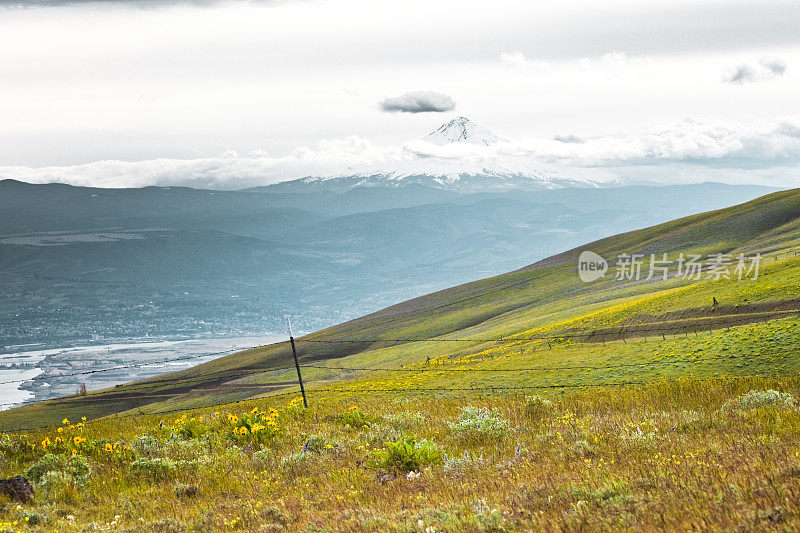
pixel 462 182
pixel 166 261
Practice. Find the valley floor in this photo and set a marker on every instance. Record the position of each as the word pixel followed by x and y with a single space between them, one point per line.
pixel 714 453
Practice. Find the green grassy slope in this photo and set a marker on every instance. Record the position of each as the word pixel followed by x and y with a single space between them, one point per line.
pixel 458 328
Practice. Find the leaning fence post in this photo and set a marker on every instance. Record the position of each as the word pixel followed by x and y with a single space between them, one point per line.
pixel 297 363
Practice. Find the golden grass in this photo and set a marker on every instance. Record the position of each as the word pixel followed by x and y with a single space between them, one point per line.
pixel 670 455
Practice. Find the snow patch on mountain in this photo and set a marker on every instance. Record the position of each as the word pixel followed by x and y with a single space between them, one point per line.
pixel 462 130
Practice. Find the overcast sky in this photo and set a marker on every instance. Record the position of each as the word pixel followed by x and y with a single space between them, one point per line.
pixel 234 94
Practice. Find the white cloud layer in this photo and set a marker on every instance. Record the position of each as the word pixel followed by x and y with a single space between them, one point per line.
pixel 688 150
pixel 619 64
pixel 517 59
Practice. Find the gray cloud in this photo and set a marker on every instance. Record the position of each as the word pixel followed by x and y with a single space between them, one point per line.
pixel 418 102
pixel 768 68
pixel 774 65
pixel 739 74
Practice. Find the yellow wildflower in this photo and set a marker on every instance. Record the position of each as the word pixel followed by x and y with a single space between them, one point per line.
pixel 65 421
pixel 46 442
pixel 60 430
pixel 109 447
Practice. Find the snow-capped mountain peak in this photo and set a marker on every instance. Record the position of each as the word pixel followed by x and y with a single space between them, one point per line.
pixel 485 170
pixel 461 130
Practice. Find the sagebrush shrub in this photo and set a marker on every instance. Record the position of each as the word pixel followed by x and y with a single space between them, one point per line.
pixel 755 398
pixel 168 525
pixel 263 456
pixel 296 462
pixel 72 471
pixel 184 449
pixel 480 422
pixel 380 433
pixel 146 445
pixel 52 483
pixel 160 468
pixel 155 468
pixel 463 465
pixel 406 419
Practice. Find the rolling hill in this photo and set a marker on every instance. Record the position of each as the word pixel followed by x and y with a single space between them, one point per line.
pixel 539 327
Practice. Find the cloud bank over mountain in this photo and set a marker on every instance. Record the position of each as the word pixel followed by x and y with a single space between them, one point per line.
pixel 686 151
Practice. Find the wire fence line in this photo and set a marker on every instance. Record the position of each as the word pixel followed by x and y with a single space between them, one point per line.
pixel 209 385
pixel 140 413
pixel 570 334
pixel 359 390
pixel 534 368
pixel 373 390
pixel 207 381
pixel 562 336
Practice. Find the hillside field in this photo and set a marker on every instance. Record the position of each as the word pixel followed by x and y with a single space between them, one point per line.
pixel 688 454
pixel 530 400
